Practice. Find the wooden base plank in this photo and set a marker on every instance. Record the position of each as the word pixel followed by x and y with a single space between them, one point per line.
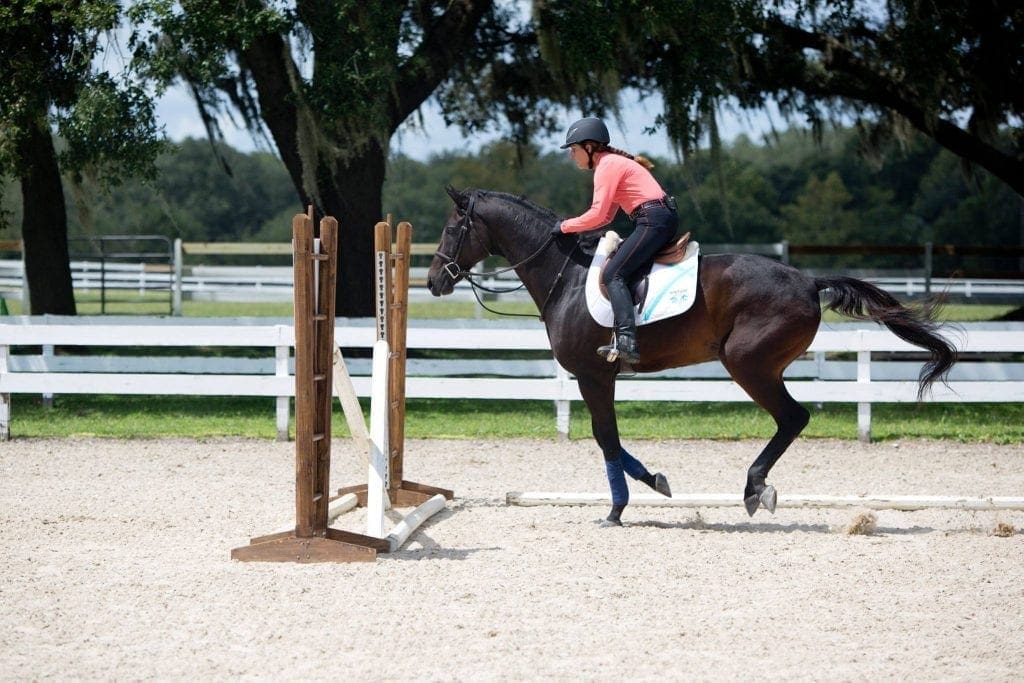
pixel 290 548
pixel 427 490
pixel 409 494
pixel 381 545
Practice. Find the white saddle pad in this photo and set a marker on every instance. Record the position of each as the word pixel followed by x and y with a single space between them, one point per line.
pixel 670 288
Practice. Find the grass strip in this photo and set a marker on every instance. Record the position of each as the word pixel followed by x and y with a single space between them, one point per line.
pixel 183 416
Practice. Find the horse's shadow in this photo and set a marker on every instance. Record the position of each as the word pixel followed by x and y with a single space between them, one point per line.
pixel 432 551
pixel 429 548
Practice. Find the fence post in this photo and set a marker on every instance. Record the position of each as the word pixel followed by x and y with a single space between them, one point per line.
pixel 928 250
pixel 785 251
pixel 562 405
pixel 819 369
pixel 48 360
pixel 103 278
pixel 26 303
pixel 863 376
pixel 5 399
pixel 178 253
pixel 281 356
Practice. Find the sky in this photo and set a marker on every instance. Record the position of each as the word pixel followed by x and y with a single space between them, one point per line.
pixel 177 112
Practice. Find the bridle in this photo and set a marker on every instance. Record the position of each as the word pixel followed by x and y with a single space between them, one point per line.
pixel 465 225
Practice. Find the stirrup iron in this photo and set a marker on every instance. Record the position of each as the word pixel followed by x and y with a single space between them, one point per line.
pixel 612 354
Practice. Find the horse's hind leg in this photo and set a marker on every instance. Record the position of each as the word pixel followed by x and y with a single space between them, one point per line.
pixel 762 380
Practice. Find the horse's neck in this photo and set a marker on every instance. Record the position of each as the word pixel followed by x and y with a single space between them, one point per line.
pixel 538 270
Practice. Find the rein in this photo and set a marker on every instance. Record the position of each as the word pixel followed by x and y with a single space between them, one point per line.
pixel 455 271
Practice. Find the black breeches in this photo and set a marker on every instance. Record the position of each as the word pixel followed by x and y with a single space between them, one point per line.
pixel 654 229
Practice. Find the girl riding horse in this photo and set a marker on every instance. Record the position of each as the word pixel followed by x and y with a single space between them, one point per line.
pixel 620 181
pixel 751 313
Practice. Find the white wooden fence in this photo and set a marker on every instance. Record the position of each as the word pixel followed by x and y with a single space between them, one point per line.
pixel 985 374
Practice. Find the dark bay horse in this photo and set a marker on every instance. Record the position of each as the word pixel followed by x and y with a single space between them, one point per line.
pixel 752 313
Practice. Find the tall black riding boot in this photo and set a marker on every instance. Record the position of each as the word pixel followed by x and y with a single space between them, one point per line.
pixel 625 346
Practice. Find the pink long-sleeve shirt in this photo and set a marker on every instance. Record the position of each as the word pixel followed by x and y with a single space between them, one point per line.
pixel 618 182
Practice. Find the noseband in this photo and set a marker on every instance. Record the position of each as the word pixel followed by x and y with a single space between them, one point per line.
pixel 464 225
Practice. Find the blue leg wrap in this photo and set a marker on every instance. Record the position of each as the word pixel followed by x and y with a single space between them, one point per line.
pixel 633 467
pixel 617 481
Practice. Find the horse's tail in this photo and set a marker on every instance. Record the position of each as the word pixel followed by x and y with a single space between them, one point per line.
pixel 864 301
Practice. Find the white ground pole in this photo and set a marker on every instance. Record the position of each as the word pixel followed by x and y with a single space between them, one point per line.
pixel 377 482
pixel 698 500
pixel 341 506
pixel 401 531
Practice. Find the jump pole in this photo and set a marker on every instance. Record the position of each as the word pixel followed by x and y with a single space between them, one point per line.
pixel 311 540
pixel 699 500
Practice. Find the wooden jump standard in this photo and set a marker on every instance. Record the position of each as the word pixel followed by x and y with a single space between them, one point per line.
pixel 312 540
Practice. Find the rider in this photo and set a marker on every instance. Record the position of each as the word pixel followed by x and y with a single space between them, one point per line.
pixel 621 180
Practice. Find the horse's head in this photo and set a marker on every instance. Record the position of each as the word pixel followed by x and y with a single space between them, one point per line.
pixel 461 246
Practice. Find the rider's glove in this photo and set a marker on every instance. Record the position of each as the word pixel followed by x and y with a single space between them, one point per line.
pixel 557 229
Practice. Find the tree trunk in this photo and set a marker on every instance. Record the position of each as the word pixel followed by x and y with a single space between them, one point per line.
pixel 44 226
pixel 354 198
pixel 351 189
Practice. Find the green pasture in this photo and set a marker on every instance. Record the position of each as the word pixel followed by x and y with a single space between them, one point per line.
pixel 208 417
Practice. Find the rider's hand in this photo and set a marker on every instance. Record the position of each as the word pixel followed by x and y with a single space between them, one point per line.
pixel 557 229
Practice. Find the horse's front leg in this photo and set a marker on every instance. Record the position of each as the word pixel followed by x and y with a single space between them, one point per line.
pixel 599 395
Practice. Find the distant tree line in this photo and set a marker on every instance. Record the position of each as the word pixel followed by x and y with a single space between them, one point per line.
pixel 790 188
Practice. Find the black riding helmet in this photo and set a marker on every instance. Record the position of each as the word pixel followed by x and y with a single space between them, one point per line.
pixel 590 128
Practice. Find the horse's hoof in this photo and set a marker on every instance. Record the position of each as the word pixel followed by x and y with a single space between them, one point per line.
pixel 661 485
pixel 769 497
pixel 609 523
pixel 751 503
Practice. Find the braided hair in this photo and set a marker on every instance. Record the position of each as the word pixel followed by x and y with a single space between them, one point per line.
pixel 602 147
pixel 642 160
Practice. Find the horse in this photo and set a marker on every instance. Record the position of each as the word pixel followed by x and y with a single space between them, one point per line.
pixel 752 313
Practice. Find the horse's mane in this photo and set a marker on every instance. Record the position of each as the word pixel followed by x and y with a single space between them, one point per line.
pixel 534 217
pixel 537 215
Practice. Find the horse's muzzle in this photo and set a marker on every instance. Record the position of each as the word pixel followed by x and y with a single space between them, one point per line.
pixel 439 282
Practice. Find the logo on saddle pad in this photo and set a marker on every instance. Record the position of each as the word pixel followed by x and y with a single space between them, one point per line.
pixel 667 290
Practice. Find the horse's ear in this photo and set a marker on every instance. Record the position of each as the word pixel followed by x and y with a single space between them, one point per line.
pixel 457 196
